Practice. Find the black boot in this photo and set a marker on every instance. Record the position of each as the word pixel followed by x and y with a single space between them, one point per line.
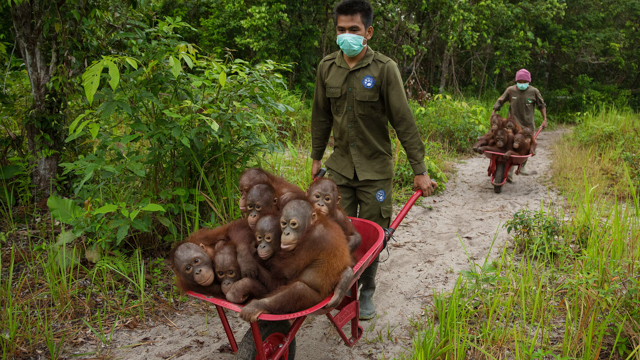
pixel 368 287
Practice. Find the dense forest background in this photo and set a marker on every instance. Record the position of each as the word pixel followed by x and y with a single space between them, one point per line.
pixel 579 52
pixel 125 105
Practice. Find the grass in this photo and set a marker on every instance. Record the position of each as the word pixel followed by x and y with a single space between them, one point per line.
pixel 52 298
pixel 577 299
pixel 569 287
pixel 604 147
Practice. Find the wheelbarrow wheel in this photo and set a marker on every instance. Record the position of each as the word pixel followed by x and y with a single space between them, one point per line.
pixel 271 332
pixel 499 177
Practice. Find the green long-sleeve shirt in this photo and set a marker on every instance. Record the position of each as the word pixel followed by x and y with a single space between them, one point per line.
pixel 358 104
pixel 522 104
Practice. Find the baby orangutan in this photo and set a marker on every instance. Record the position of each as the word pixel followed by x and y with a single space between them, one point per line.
pixel 502 143
pixel 312 258
pixel 268 232
pixel 530 140
pixel 194 269
pixel 284 191
pixel 261 199
pixel 267 244
pixel 324 196
pixel 228 274
pixel 487 139
pixel 519 147
pixel 511 127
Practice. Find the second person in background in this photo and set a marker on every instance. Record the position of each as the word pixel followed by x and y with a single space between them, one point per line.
pixel 358 93
pixel 522 99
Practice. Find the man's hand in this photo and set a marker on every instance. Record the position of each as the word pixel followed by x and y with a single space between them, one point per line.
pixel 544 123
pixel 315 167
pixel 424 183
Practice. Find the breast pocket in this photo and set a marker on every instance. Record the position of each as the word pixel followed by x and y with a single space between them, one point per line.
pixel 367 103
pixel 335 97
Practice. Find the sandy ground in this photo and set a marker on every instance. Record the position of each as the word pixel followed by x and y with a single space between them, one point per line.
pixel 427 255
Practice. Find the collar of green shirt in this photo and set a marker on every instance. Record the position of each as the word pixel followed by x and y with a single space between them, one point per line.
pixel 366 60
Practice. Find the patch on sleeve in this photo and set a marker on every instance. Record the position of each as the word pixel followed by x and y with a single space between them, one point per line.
pixel 380 195
pixel 368 81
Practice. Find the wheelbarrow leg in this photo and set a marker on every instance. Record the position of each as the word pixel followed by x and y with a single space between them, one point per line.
pixel 356 330
pixel 349 312
pixel 227 329
pixel 257 339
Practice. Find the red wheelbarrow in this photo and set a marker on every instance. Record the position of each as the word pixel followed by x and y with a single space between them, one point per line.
pixel 499 168
pixel 272 337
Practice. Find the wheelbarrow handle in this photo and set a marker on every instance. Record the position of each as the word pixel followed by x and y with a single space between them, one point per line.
pixel 538 132
pixel 320 174
pixel 405 209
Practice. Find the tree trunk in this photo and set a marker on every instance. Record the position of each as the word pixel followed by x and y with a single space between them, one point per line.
pixel 444 69
pixel 484 72
pixel 44 124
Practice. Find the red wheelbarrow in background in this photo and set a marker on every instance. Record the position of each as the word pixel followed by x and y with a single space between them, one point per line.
pixel 499 167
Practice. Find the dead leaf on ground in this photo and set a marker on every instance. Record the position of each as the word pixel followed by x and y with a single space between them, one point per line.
pixel 225 349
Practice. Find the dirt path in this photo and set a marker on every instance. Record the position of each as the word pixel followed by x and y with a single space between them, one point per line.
pixel 426 256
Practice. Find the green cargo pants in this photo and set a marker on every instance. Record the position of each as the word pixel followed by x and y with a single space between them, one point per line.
pixel 365 199
pixel 371 200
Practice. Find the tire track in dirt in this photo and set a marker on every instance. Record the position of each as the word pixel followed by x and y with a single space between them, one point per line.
pixel 425 256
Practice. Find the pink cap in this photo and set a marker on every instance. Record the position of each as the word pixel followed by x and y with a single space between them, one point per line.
pixel 523 74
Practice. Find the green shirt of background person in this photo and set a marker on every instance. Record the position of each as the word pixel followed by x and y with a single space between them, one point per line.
pixel 522 99
pixel 358 93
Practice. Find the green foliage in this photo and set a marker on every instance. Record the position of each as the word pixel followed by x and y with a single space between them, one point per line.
pixel 15 183
pixel 170 126
pixel 455 124
pixel 285 31
pixel 614 133
pixel 403 173
pixel 537 233
pixel 109 224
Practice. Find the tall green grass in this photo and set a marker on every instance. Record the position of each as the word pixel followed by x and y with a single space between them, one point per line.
pixel 605 145
pixel 570 287
pixel 577 299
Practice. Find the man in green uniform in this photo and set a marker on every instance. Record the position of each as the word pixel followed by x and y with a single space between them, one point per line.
pixel 358 93
pixel 522 99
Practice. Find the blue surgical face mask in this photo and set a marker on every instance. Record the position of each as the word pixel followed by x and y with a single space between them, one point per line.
pixel 522 86
pixel 350 44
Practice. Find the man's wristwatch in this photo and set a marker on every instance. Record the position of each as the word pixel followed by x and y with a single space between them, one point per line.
pixel 424 173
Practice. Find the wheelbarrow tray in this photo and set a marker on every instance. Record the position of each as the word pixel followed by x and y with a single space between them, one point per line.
pixel 275 346
pixel 372 243
pixel 513 159
pixel 497 157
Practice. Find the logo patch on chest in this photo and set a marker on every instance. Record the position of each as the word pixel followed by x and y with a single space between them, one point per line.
pixel 380 195
pixel 529 101
pixel 368 82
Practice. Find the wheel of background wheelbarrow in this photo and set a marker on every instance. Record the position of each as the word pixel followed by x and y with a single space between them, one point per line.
pixel 499 177
pixel 247 348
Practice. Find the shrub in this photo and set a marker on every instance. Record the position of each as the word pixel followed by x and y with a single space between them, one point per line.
pixel 456 124
pixel 536 233
pixel 165 138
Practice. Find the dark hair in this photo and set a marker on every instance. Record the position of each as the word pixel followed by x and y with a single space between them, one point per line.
pixel 354 7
